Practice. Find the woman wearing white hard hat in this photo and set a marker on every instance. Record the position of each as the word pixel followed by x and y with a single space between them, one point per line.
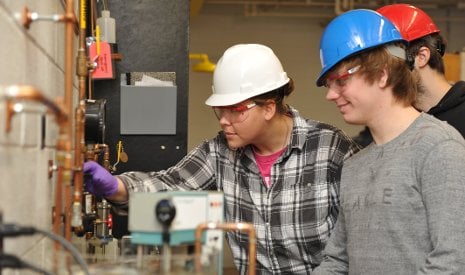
pixel 278 171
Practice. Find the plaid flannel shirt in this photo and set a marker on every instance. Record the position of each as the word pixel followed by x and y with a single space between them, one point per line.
pixel 293 218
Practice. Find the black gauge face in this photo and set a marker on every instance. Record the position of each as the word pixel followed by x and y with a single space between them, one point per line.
pixel 165 212
pixel 95 121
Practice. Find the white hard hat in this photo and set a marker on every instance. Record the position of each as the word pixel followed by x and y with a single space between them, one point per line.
pixel 245 71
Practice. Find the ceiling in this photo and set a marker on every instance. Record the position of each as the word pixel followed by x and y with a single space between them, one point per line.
pixel 316 8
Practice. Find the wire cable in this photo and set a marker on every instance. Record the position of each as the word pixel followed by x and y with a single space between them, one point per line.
pixel 71 248
pixel 13 230
pixel 11 261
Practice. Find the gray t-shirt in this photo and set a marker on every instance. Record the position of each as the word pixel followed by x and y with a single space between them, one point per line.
pixel 403 206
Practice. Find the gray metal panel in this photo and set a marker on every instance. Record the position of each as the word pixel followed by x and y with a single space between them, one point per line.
pixel 142 206
pixel 148 110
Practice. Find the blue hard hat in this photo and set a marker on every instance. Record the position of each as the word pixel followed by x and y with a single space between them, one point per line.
pixel 352 32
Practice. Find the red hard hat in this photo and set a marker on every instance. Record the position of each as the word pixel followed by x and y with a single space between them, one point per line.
pixel 412 22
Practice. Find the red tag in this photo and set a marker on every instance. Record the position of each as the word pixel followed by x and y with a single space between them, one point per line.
pixel 104 68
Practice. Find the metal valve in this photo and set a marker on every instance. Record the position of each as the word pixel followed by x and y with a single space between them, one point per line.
pixel 165 211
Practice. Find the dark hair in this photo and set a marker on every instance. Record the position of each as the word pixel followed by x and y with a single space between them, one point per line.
pixel 436 45
pixel 277 95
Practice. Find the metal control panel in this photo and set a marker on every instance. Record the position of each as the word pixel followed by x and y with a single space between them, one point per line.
pixel 191 209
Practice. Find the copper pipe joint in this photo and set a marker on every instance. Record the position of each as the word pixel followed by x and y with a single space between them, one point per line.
pixel 25 92
pixel 247 227
pixel 27 17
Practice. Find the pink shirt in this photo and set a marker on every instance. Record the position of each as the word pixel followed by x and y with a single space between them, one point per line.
pixel 265 162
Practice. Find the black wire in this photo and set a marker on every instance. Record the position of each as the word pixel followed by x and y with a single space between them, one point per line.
pixel 71 248
pixel 11 261
pixel 13 230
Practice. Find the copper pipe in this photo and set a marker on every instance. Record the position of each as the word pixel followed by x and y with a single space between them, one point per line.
pixel 94 155
pixel 106 156
pixel 68 208
pixel 226 227
pixel 70 20
pixel 79 151
pixel 96 152
pixel 57 215
pixel 79 142
pixel 69 42
pixel 64 178
pixel 27 17
pixel 10 111
pixel 64 175
pixel 25 92
pixel 91 63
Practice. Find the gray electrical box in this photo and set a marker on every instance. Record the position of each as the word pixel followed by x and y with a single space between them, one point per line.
pixel 192 209
pixel 148 110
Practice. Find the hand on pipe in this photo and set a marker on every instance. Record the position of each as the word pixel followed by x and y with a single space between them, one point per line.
pixel 98 180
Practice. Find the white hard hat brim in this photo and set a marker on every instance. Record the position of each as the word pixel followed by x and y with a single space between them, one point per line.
pixel 227 99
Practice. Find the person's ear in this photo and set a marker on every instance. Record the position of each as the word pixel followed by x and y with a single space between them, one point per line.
pixel 270 109
pixel 382 82
pixel 422 57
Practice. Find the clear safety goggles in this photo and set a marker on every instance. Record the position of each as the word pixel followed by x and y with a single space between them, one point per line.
pixel 338 81
pixel 234 114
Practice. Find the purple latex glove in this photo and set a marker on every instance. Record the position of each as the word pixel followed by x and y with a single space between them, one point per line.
pixel 98 180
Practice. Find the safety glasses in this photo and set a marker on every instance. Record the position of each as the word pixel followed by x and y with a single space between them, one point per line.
pixel 338 82
pixel 234 114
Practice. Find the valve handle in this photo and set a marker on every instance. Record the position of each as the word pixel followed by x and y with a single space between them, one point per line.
pixel 165 211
